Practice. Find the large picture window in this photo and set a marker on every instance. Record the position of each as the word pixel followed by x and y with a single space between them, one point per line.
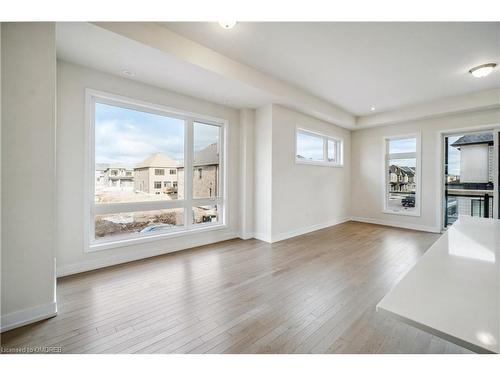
pixel 402 175
pixel 318 149
pixel 131 147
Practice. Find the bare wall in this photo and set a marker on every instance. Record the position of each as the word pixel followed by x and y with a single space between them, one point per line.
pixel 306 197
pixel 262 183
pixel 28 159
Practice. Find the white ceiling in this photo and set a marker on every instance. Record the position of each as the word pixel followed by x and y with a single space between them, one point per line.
pixel 360 65
pixel 92 46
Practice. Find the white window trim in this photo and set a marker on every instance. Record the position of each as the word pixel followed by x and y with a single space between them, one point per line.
pixel 326 138
pixel 418 185
pixel 90 208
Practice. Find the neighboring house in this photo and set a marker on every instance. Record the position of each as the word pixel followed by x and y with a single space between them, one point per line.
pixel 160 174
pixel 117 175
pixel 100 168
pixel 470 193
pixel 157 174
pixel 401 179
pixel 476 158
pixel 205 172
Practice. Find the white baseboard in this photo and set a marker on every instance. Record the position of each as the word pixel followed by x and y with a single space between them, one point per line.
pixel 101 262
pixel 305 230
pixel 397 224
pixel 93 264
pixel 27 316
pixel 246 236
pixel 262 237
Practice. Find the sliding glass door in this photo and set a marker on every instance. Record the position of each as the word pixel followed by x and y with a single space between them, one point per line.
pixel 470 173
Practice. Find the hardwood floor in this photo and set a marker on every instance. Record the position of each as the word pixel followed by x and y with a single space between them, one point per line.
pixel 310 294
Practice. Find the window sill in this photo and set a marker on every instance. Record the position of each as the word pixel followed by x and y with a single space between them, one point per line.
pixel 137 240
pixel 401 213
pixel 319 163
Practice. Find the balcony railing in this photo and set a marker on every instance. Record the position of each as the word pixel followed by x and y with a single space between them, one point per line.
pixel 477 203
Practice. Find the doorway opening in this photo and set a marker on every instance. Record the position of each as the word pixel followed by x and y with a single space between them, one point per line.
pixel 469 175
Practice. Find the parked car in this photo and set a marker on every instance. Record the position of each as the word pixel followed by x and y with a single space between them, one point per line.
pixel 156 227
pixel 408 201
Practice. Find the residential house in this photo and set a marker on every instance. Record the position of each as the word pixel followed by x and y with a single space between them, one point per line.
pixel 401 179
pixel 157 174
pixel 100 169
pixel 118 176
pixel 471 193
pixel 205 173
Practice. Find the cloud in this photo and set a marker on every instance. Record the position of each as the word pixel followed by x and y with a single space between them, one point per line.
pixel 402 145
pixel 128 136
pixel 118 142
pixel 309 147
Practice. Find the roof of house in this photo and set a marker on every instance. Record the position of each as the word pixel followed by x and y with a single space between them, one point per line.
pixel 473 139
pixel 157 160
pixel 207 156
pixel 101 166
pixel 407 170
pixel 118 166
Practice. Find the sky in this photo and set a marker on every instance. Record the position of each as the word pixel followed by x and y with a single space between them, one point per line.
pixel 310 147
pixel 409 145
pixel 397 146
pixel 127 136
pixel 453 157
pixel 402 145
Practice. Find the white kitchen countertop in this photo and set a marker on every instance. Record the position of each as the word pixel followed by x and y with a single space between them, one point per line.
pixel 453 291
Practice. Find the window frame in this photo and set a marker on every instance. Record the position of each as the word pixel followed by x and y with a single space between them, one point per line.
pixel 418 175
pixel 91 209
pixel 325 138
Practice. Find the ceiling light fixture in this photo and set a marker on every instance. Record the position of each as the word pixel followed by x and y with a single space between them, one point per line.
pixel 372 109
pixel 128 73
pixel 482 70
pixel 227 24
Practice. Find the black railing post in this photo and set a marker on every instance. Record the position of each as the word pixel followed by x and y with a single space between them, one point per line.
pixel 486 206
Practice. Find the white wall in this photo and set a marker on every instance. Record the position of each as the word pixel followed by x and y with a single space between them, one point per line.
pixel 293 199
pixel 28 162
pixel 306 197
pixel 368 168
pixel 247 120
pixel 72 81
pixel 263 173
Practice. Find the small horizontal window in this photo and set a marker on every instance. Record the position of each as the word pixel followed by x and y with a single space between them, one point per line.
pixel 313 148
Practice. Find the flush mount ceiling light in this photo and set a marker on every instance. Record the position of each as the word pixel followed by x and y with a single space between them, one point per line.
pixel 227 24
pixel 481 71
pixel 372 109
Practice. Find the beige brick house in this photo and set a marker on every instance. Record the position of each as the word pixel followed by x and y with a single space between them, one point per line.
pixel 156 175
pixel 159 174
pixel 205 173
